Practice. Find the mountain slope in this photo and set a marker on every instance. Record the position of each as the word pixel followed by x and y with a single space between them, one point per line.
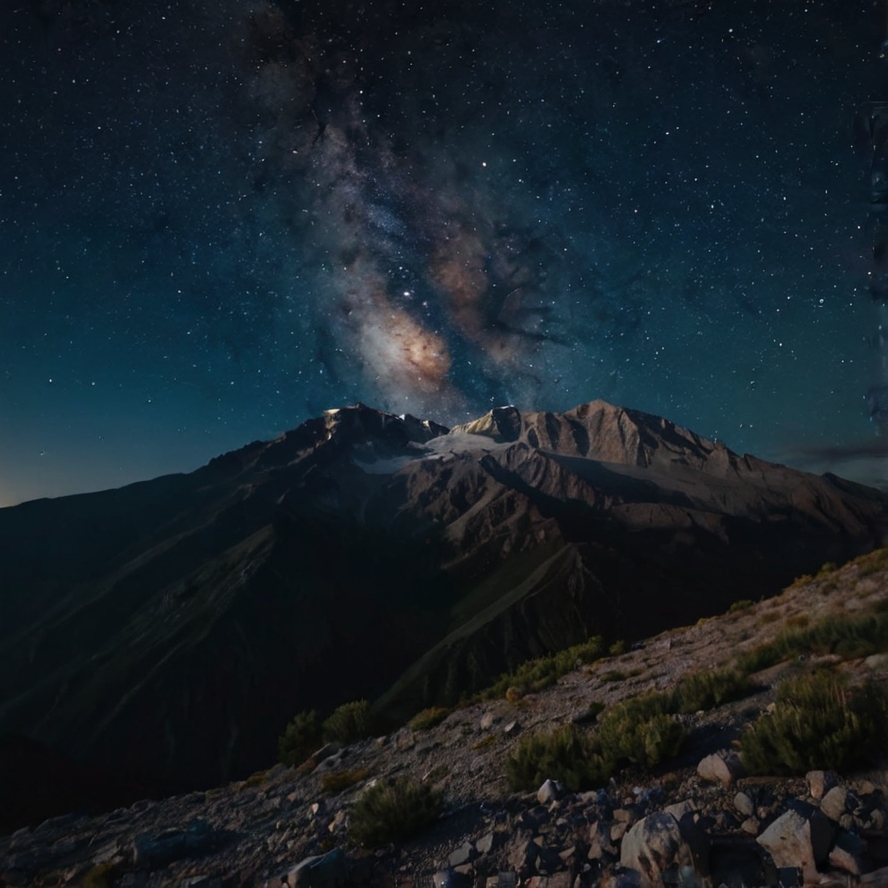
pixel 168 630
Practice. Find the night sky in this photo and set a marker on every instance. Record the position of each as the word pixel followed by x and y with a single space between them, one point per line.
pixel 221 217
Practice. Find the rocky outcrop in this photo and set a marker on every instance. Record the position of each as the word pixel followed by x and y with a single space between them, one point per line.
pixel 288 826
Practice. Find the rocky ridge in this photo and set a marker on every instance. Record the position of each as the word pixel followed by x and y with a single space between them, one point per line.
pixel 695 821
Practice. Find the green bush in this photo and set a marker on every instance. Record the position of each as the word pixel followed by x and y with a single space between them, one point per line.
pixel 300 739
pixel 348 723
pixel 428 718
pixel 536 675
pixel 708 689
pixel 849 637
pixel 564 754
pixel 391 810
pixel 741 605
pixel 817 723
pixel 637 731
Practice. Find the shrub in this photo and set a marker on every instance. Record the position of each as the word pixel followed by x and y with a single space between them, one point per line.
pixel 826 569
pixel 705 690
pixel 337 781
pixel 741 605
pixel 849 637
pixel 300 739
pixel 639 731
pixel 872 562
pixel 428 718
pixel 613 675
pixel 565 754
pixel 391 810
pixel 348 723
pixel 543 672
pixel 817 723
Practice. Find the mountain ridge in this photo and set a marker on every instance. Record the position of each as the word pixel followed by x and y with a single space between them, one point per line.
pixel 367 554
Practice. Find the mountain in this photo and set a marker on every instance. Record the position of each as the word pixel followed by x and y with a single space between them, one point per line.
pixel 500 825
pixel 167 631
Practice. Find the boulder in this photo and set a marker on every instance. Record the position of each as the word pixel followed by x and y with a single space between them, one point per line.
pixel 721 767
pixel 549 792
pixel 820 783
pixel 848 854
pixel 484 845
pixel 461 855
pixel 664 851
pixel 744 804
pixel 835 803
pixel 329 870
pixel 799 840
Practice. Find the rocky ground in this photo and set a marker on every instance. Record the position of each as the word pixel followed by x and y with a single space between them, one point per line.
pixel 698 821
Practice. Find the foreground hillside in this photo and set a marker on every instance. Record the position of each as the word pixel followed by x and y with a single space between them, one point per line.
pixel 159 637
pixel 692 818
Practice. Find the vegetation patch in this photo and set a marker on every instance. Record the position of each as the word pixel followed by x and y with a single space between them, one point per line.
pixel 392 810
pixel 708 689
pixel 613 675
pixel 818 722
pixel 872 562
pixel 565 754
pixel 300 738
pixel 849 637
pixel 337 781
pixel 637 731
pixel 741 605
pixel 827 568
pixel 428 718
pixel 536 675
pixel 348 723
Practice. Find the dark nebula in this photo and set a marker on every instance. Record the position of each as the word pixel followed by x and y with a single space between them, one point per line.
pixel 220 218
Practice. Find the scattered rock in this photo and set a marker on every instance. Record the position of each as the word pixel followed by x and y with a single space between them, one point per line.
pixel 328 870
pixel 664 851
pixel 152 850
pixel 484 845
pixel 461 855
pixel 744 804
pixel 723 768
pixel 796 840
pixel 820 783
pixel 550 791
pixel 835 803
pixel 848 854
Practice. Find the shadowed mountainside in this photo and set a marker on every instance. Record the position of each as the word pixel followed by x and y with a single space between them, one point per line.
pixel 168 630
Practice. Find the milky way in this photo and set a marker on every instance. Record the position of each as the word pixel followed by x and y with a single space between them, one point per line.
pixel 218 219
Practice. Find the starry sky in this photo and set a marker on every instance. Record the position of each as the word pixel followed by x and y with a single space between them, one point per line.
pixel 221 217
